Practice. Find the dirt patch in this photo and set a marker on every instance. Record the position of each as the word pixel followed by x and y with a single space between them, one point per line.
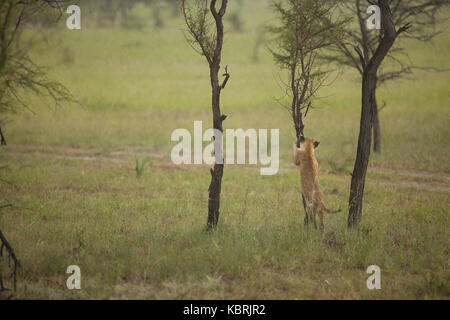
pixel 421 178
pixel 85 154
pixel 413 173
pixel 427 186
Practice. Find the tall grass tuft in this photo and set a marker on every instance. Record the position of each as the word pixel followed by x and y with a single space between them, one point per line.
pixel 140 165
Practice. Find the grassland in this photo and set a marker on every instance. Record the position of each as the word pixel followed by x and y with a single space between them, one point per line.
pixel 70 172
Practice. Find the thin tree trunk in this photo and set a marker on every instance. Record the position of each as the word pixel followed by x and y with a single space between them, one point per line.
pixel 2 138
pixel 363 152
pixel 215 186
pixel 367 111
pixel 376 128
pixel 214 57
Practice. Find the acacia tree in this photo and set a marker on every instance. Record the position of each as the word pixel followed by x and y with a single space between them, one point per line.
pixel 370 67
pixel 424 13
pixel 208 41
pixel 19 75
pixel 306 27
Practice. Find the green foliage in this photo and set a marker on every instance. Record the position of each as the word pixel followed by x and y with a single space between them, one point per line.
pixel 305 28
pixel 20 77
pixel 427 18
pixel 200 26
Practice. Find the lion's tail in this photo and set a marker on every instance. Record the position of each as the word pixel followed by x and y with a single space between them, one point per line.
pixel 330 211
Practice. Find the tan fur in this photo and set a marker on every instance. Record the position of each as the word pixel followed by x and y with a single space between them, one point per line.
pixel 309 173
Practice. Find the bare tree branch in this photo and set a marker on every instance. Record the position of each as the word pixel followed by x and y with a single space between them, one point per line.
pixel 227 77
pixel 4 244
pixel 362 59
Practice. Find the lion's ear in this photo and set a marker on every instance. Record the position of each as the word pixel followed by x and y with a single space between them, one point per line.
pixel 316 144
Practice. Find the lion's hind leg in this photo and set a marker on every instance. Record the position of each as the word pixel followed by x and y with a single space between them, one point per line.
pixel 312 214
pixel 309 207
pixel 321 217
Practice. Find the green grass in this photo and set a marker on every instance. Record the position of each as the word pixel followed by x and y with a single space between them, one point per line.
pixel 147 235
pixel 72 174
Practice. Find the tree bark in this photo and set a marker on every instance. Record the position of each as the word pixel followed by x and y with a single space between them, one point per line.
pixel 11 256
pixel 213 56
pixel 2 138
pixel 376 128
pixel 367 111
pixel 363 152
pixel 215 186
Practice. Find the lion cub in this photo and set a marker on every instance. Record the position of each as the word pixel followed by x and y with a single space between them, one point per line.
pixel 309 169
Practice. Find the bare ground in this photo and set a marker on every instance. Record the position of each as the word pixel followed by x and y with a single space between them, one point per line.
pixel 418 179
